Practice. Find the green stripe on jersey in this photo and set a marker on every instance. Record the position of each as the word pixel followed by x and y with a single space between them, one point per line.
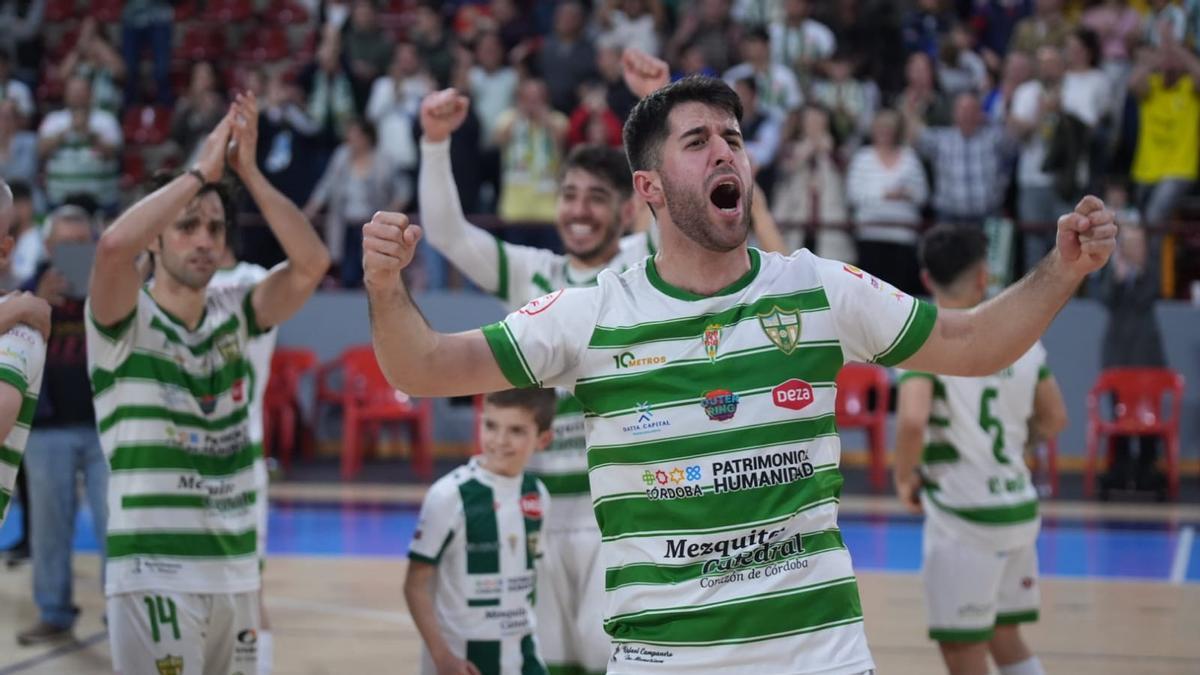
pixel 150 412
pixel 169 457
pixel 485 655
pixel 568 405
pixel 5 498
pixel 912 337
pixel 541 283
pixel 693 327
pixel 148 367
pixel 767 616
pixel 662 286
pixel 757 368
pixel 115 331
pixel 508 355
pixel 713 442
pixel 565 483
pixel 638 574
pixel 10 456
pixel 531 664
pixel 177 501
pixel 991 515
pixel 483 533
pixel 939 452
pixel 1043 373
pixel 12 376
pixel 502 258
pixel 28 409
pixel 202 347
pixel 182 544
pixel 778 498
pixel 529 484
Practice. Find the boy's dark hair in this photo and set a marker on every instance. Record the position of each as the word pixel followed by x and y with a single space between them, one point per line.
pixel 541 402
pixel 947 251
pixel 647 126
pixel 607 163
pixel 1091 42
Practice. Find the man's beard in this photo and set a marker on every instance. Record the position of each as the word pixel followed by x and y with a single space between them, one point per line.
pixel 180 274
pixel 689 212
pixel 589 255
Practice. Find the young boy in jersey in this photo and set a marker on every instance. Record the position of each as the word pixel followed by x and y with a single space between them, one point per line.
pixel 171 383
pixel 234 273
pixel 960 453
pixel 471 577
pixel 25 325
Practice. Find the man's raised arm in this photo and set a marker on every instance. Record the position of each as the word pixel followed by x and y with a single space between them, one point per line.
pixel 416 359
pixel 115 277
pixel 992 336
pixel 289 285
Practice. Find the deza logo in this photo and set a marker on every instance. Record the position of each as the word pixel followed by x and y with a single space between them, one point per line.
pixel 531 505
pixel 793 394
pixel 628 360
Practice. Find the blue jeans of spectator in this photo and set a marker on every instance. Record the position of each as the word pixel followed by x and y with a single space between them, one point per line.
pixel 54 457
pixel 134 40
pixel 1039 205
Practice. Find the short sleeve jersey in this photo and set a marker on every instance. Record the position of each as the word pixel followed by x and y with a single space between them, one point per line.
pixel 527 273
pixel 22 356
pixel 245 276
pixel 172 408
pixel 978 487
pixel 713 455
pixel 482 531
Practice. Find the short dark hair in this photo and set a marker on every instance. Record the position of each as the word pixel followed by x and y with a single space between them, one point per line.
pixel 364 125
pixel 540 402
pixel 20 190
pixel 647 126
pixel 224 189
pixel 606 163
pixel 749 83
pixel 756 34
pixel 947 251
pixel 1091 42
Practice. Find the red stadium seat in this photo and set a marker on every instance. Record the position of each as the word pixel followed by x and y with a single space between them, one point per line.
pixel 59 10
pixel 285 13
pixel 281 402
pixel 855 382
pixel 1139 410
pixel 201 43
pixel 228 11
pixel 133 170
pixel 269 43
pixel 106 11
pixel 146 125
pixel 185 10
pixel 368 400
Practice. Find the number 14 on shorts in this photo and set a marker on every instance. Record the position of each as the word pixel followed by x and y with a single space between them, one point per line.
pixel 162 615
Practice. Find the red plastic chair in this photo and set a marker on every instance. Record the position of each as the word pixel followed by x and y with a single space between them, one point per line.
pixel 1139 411
pixel 59 10
pixel 106 11
pixel 146 125
pixel 269 43
pixel 285 12
pixel 855 382
pixel 281 402
pixel 228 11
pixel 185 10
pixel 1051 466
pixel 201 43
pixel 368 399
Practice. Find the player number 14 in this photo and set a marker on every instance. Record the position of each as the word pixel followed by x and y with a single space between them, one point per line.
pixel 162 613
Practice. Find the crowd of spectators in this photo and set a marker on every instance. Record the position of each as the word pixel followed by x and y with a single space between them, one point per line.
pixel 866 120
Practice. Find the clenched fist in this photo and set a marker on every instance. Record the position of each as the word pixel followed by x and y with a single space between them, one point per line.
pixel 389 243
pixel 1087 236
pixel 442 112
pixel 644 74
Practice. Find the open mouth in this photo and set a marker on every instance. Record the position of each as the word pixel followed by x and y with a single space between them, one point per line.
pixel 726 196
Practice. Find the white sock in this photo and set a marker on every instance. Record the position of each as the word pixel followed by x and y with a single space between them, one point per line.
pixel 265 660
pixel 1030 666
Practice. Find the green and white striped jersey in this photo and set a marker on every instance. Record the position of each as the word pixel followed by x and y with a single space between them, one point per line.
pixel 978 487
pixel 713 454
pixel 245 276
pixel 172 409
pixel 482 531
pixel 22 355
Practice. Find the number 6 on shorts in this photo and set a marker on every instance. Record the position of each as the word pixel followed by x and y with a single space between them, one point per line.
pixel 162 613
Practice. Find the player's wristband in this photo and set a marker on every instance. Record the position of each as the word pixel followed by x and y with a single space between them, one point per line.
pixel 199 176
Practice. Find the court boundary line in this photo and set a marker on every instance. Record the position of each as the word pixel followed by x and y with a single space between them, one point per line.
pixel 56 653
pixel 1183 555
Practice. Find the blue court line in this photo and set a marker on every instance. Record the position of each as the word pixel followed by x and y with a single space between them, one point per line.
pixel 1072 548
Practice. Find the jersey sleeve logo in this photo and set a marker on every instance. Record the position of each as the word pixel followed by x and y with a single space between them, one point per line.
pixel 539 305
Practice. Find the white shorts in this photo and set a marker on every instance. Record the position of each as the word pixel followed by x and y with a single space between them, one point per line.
pixel 510 656
pixel 570 602
pixel 168 633
pixel 969 591
pixel 261 480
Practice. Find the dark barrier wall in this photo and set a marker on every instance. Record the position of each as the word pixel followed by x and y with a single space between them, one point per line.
pixel 334 320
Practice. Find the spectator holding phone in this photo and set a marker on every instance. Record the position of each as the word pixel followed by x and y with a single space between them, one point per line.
pixel 63 443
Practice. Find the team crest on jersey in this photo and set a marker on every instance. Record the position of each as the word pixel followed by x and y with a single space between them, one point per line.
pixel 169 665
pixel 782 328
pixel 227 347
pixel 712 340
pixel 207 404
pixel 238 390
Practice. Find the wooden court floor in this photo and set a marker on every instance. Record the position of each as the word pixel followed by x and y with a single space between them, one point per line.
pixel 337 615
